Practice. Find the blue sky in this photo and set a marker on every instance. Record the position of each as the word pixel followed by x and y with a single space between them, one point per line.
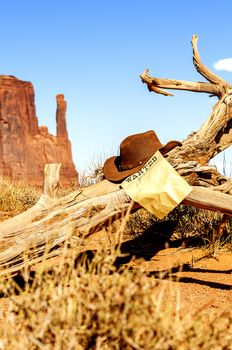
pixel 93 51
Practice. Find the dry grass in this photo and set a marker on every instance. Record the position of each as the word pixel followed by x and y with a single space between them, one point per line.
pixel 15 198
pixel 82 304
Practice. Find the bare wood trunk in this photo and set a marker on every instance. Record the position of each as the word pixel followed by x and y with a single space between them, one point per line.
pixel 51 179
pixel 80 218
pixel 206 198
pixel 214 136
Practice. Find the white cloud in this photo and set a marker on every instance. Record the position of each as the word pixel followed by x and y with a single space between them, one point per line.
pixel 223 162
pixel 224 64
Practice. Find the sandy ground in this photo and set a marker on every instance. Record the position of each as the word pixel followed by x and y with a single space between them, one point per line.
pixel 192 279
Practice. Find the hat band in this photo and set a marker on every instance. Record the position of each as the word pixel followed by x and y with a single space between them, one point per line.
pixel 129 167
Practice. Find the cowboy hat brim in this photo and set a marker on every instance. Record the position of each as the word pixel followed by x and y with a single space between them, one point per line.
pixel 111 166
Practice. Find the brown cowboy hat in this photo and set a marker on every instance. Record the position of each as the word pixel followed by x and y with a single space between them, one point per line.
pixel 135 150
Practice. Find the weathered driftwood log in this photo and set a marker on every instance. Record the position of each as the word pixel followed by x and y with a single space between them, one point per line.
pixel 75 218
pixel 81 216
pixel 78 218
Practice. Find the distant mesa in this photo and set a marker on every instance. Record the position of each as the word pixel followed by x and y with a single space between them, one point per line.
pixel 24 146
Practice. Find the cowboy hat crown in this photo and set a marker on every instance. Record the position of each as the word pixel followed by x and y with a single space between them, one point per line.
pixel 135 150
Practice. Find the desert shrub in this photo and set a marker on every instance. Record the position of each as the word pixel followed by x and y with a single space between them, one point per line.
pixel 91 305
pixel 193 221
pixel 193 225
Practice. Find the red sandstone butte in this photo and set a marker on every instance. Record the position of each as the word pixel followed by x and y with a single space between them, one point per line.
pixel 24 146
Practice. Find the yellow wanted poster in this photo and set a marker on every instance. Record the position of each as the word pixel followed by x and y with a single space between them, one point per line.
pixel 157 186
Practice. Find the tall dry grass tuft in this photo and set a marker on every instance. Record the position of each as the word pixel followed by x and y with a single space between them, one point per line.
pixel 15 197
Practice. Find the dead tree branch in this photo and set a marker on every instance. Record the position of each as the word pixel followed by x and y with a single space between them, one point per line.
pixel 214 136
